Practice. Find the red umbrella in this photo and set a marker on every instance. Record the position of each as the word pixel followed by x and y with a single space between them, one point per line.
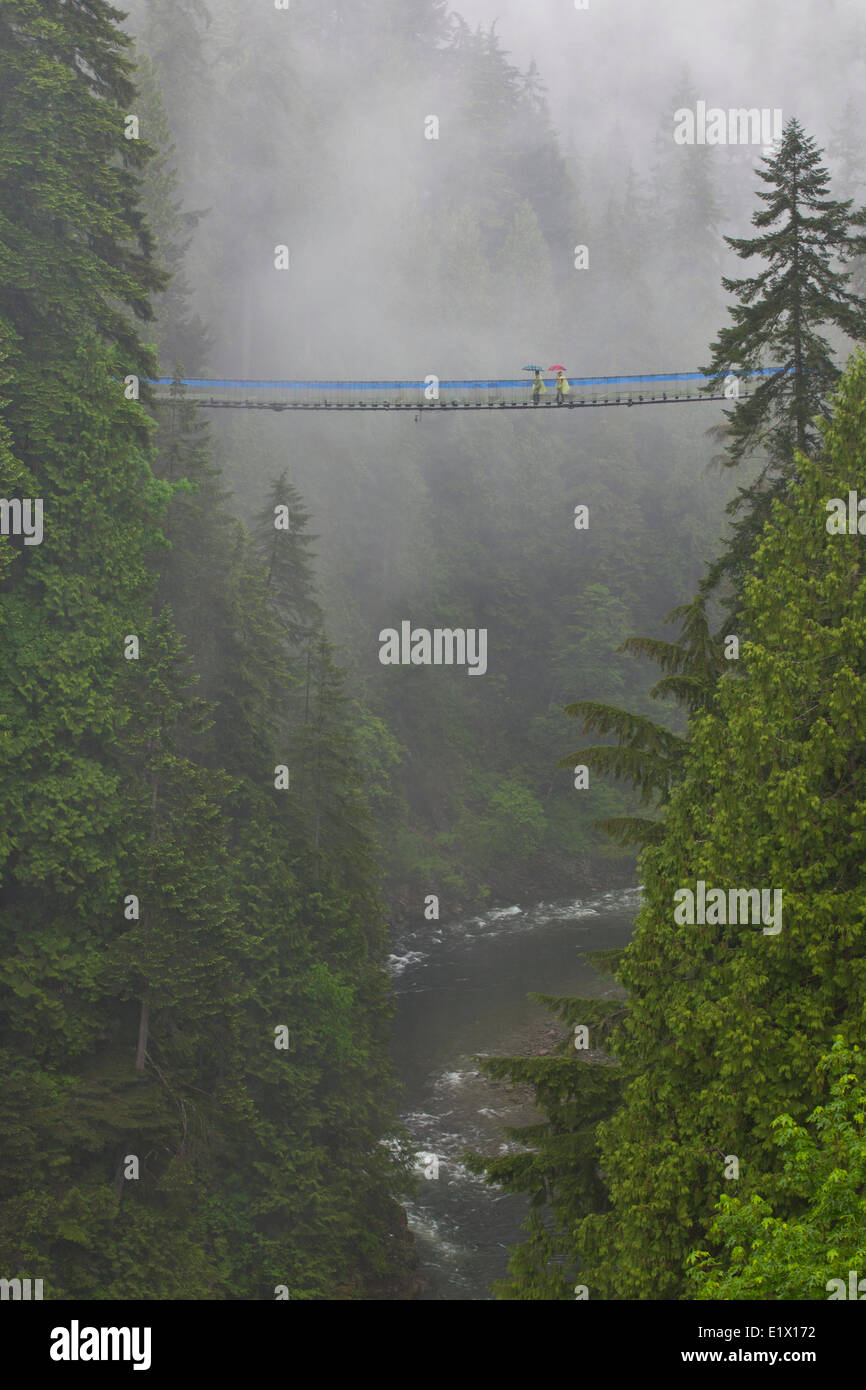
pixel 557 367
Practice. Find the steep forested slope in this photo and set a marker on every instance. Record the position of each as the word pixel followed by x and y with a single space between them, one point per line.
pixel 193 1013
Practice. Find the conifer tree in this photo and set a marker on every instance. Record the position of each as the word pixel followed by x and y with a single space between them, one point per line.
pixel 559 1169
pixel 284 544
pixel 649 755
pixel 727 1023
pixel 812 1254
pixel 780 317
pixel 179 331
pixel 192 575
pixel 160 919
pixel 173 34
pixel 76 251
pixel 70 790
pixel 83 782
pixel 780 320
pixel 306 1159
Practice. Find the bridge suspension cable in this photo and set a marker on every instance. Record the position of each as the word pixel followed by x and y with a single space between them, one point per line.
pixel 432 394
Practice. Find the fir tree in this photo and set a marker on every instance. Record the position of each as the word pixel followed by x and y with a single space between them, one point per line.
pixel 726 1023
pixel 648 755
pixel 558 1169
pixel 76 252
pixel 179 331
pixel 283 543
pixel 780 321
pixel 164 909
pixel 780 317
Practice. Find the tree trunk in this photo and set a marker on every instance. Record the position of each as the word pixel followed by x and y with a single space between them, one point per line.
pixel 144 1016
pixel 143 1021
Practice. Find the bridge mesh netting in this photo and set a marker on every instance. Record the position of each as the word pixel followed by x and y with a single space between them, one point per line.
pixel 512 394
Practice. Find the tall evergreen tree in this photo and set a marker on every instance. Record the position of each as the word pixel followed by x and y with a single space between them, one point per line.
pixel 160 923
pixel 283 542
pixel 781 315
pixel 94 691
pixel 179 331
pixel 173 33
pixel 780 319
pixel 75 249
pixel 307 1191
pixel 559 1168
pixel 727 1023
pixel 649 755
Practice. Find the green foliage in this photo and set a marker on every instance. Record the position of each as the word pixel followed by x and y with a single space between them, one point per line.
pixel 780 320
pixel 514 822
pixel 718 1044
pixel 283 543
pixel 823 1176
pixel 302 872
pixel 557 1166
pixel 782 310
pixel 726 1024
pixel 75 249
pixel 165 907
pixel 179 331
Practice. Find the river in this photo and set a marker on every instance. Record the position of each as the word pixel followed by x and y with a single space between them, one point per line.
pixel 462 991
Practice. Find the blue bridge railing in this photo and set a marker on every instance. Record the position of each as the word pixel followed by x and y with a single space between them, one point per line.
pixel 446 394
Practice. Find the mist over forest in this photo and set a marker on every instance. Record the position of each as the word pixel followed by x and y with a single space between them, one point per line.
pixel 331 978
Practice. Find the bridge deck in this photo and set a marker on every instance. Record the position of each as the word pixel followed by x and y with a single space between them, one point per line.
pixel 513 394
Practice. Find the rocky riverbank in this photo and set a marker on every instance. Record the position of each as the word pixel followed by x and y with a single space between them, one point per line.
pixel 554 876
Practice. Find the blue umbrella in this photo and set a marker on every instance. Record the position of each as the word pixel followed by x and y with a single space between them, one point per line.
pixel 532 369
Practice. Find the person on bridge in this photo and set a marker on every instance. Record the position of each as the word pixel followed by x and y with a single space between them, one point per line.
pixel 562 388
pixel 538 389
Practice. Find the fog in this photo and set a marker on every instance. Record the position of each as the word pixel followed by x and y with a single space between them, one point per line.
pixel 432 189
pixel 412 255
pixel 617 63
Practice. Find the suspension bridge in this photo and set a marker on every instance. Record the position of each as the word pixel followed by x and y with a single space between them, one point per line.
pixel 432 394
